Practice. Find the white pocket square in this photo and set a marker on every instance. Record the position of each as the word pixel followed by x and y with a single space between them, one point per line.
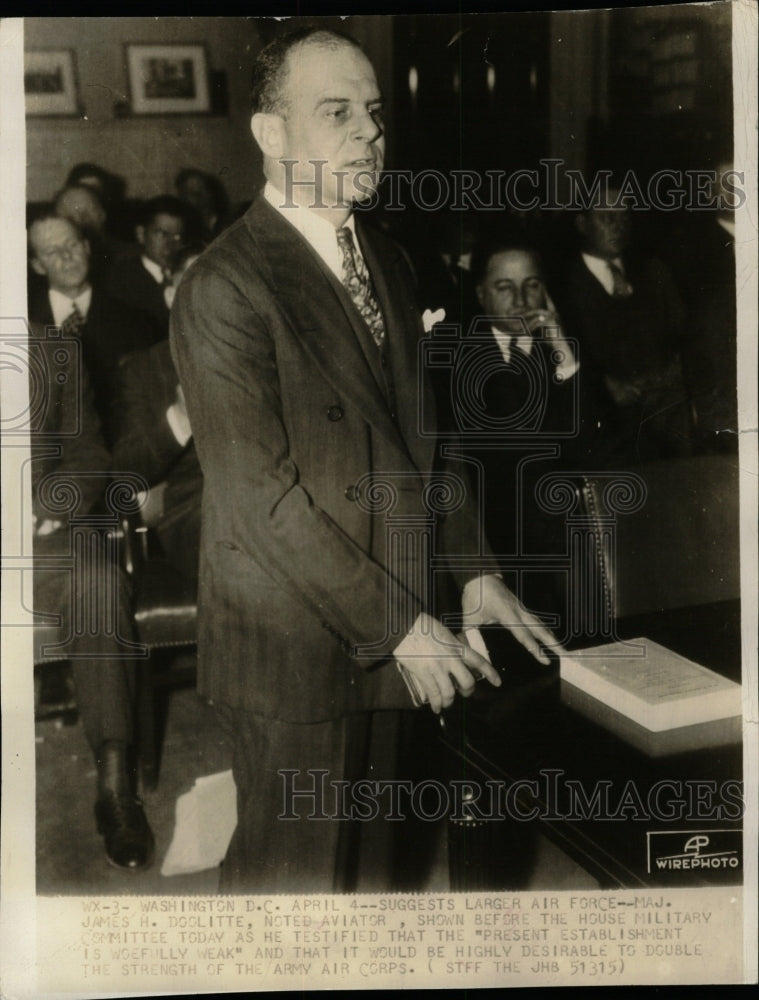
pixel 430 318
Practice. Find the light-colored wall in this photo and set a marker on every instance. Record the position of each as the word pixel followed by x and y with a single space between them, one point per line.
pixel 149 150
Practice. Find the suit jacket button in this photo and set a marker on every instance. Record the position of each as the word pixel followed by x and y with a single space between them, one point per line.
pixel 351 492
pixel 335 413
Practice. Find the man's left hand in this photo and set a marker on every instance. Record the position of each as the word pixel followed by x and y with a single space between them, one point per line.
pixel 487 600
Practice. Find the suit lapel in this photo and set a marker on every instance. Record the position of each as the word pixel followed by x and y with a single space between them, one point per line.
pixel 311 298
pixel 40 310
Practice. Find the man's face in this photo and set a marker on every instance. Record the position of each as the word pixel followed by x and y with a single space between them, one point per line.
pixel 162 239
pixel 512 285
pixel 606 231
pixel 333 115
pixel 83 208
pixel 61 255
pixel 195 191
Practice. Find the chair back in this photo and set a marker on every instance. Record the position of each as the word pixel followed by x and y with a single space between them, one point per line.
pixel 680 548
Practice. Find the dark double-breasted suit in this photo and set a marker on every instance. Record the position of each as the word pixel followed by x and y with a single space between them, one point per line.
pixel 296 429
pixel 308 437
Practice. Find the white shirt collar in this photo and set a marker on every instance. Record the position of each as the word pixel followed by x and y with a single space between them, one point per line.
pixel 599 268
pixel 154 270
pixel 504 340
pixel 317 232
pixel 63 305
pixel 728 225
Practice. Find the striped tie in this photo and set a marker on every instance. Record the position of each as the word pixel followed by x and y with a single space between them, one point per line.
pixel 359 285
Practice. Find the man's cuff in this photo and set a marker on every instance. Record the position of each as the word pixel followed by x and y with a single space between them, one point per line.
pixel 405 646
pixel 179 424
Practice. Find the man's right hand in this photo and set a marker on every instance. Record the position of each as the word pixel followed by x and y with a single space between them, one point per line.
pixel 440 663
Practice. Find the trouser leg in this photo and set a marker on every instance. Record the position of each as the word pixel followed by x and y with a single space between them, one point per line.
pixel 104 679
pixel 289 837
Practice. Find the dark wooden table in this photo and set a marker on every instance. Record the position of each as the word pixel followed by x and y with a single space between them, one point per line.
pixel 639 804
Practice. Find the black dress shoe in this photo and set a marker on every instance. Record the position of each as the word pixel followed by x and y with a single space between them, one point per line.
pixel 129 843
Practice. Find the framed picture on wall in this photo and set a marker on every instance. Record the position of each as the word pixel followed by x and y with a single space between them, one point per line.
pixel 50 83
pixel 168 79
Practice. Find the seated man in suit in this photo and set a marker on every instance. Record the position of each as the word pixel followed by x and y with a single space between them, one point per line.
pixel 142 283
pixel 206 195
pixel 107 329
pixel 625 312
pixel 520 402
pixel 83 206
pixel 103 677
pixel 154 438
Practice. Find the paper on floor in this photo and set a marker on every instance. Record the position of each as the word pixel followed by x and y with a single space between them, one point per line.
pixel 204 822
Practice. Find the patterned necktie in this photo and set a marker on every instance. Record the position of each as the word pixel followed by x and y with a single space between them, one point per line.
pixel 74 322
pixel 622 287
pixel 359 285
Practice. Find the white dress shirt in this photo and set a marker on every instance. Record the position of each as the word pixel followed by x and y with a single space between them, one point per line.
pixel 63 305
pixel 504 341
pixel 600 270
pixel 568 365
pixel 154 270
pixel 156 273
pixel 319 233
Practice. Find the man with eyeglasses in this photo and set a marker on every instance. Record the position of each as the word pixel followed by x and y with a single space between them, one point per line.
pixel 107 329
pixel 143 282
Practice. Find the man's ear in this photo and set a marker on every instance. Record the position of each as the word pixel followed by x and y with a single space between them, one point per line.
pixel 581 224
pixel 478 291
pixel 268 132
pixel 37 267
pixel 139 232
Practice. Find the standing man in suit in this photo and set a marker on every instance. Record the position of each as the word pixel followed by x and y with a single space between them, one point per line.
pixel 295 337
pixel 107 329
pixel 144 281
